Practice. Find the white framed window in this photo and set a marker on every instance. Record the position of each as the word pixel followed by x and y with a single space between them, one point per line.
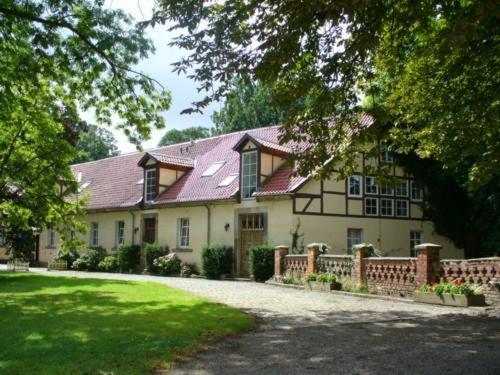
pixel 120 233
pixel 248 174
pixel 354 237
pixel 416 238
pixel 213 169
pixel 385 155
pixel 51 237
pixel 150 186
pixel 402 189
pixel 386 207
pixel 371 206
pixel 94 234
pixel 386 190
pixel 417 193
pixel 370 185
pixel 355 186
pixel 401 208
pixel 183 240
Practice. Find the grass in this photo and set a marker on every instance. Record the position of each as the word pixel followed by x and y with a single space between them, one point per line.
pixel 60 325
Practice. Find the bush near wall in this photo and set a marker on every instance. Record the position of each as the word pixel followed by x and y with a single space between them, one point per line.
pixel 90 260
pixel 109 264
pixel 261 262
pixel 217 260
pixel 153 251
pixel 129 257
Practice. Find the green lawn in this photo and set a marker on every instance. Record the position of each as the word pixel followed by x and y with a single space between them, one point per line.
pixel 59 325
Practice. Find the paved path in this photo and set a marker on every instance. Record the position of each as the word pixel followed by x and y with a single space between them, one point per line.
pixel 317 333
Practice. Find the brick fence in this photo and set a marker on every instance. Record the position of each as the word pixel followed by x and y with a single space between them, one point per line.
pixel 393 276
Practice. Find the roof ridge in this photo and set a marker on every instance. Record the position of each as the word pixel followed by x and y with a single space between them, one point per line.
pixel 108 158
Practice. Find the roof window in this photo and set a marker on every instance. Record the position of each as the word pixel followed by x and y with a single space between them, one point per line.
pixel 228 180
pixel 213 169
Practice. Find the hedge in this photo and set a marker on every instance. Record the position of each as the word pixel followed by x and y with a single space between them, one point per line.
pixel 261 262
pixel 217 260
pixel 153 251
pixel 128 257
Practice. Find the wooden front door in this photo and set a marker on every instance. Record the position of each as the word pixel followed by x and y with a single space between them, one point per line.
pixel 149 235
pixel 251 233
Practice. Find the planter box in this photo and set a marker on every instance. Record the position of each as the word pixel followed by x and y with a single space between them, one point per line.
pixel 458 300
pixel 316 286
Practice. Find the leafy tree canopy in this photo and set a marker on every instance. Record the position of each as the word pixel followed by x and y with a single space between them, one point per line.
pixel 95 143
pixel 247 106
pixel 59 57
pixel 433 65
pixel 174 136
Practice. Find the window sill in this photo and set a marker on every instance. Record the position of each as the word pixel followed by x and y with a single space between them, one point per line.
pixel 50 247
pixel 182 250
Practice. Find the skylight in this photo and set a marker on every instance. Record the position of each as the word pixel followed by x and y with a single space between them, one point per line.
pixel 84 186
pixel 213 169
pixel 228 180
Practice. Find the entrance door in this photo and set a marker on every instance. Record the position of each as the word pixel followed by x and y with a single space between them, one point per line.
pixel 149 230
pixel 251 233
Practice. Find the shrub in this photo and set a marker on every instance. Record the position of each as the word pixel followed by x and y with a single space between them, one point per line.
pixel 261 262
pixel 188 269
pixel 326 278
pixel 168 265
pixel 93 257
pixel 312 277
pixel 455 287
pixel 128 257
pixel 109 264
pixel 217 260
pixel 153 251
pixel 80 264
pixel 68 256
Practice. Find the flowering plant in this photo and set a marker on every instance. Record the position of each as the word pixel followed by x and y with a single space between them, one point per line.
pixel 457 286
pixel 168 264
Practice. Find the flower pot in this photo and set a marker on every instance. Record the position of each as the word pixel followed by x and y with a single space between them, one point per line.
pixel 316 286
pixel 458 300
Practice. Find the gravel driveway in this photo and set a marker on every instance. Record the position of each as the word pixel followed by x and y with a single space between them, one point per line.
pixel 316 333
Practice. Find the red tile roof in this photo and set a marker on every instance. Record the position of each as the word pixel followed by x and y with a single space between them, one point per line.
pixel 116 182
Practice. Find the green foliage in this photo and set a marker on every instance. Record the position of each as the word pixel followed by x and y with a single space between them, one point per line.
pixel 326 278
pixel 69 257
pixel 128 257
pixel 188 269
pixel 95 143
pixel 163 323
pixel 19 243
pixel 168 265
pixel 429 70
pixel 217 260
pixel 59 58
pixel 312 277
pixel 291 279
pixel 109 264
pixel 246 106
pixel 454 287
pixel 174 136
pixel 153 251
pixel 80 264
pixel 261 262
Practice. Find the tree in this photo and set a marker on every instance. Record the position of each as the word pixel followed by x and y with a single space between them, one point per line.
pixel 174 136
pixel 433 63
pixel 59 56
pixel 247 106
pixel 95 143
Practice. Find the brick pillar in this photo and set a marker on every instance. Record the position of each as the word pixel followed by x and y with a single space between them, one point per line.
pixel 279 255
pixel 361 251
pixel 312 258
pixel 428 263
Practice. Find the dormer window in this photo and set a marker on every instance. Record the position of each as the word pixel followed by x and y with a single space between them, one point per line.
pixel 150 186
pixel 248 174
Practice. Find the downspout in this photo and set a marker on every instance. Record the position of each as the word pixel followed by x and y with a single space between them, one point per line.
pixel 133 227
pixel 209 214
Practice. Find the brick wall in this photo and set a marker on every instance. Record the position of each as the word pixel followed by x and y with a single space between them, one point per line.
pixel 390 276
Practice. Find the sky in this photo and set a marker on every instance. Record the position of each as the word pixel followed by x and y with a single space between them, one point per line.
pixel 182 89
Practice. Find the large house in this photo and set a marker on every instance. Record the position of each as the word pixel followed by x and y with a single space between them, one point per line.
pixel 236 190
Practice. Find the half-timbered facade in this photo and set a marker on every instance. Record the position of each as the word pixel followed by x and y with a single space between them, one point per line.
pixel 237 189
